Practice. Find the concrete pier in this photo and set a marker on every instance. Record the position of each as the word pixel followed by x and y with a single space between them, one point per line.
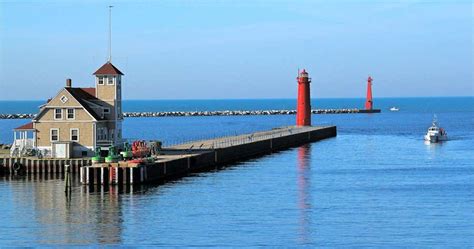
pixel 201 155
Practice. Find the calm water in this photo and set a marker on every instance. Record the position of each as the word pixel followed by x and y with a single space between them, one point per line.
pixel 376 184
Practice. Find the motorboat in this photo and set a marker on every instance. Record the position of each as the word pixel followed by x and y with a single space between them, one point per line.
pixel 436 133
pixel 394 109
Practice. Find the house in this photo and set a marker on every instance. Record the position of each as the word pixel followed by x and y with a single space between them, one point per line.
pixel 77 120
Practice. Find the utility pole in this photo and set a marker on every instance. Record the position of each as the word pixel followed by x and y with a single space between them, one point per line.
pixel 110 33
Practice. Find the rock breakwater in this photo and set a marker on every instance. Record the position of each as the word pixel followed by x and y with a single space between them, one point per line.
pixel 204 113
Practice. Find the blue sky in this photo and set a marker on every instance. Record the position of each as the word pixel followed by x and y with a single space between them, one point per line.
pixel 205 49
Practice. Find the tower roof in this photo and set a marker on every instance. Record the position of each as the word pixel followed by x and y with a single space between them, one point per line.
pixel 108 68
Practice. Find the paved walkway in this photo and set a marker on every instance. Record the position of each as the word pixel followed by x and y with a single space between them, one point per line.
pixel 224 142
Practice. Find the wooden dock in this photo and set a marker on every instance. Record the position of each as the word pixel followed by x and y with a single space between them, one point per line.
pixel 32 165
pixel 201 155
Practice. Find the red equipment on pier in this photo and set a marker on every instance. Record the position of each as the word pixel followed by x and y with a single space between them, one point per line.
pixel 368 102
pixel 140 149
pixel 303 110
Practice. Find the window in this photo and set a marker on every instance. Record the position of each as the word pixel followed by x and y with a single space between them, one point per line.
pixel 100 80
pixel 58 114
pixel 54 135
pixel 110 80
pixel 71 113
pixel 101 133
pixel 64 99
pixel 106 110
pixel 75 134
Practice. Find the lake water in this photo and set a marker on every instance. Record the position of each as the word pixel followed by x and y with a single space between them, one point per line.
pixel 377 184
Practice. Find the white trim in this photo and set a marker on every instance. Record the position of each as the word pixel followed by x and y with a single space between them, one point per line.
pixel 64 99
pixel 73 114
pixel 113 80
pixel 85 109
pixel 45 147
pixel 70 134
pixel 51 134
pixel 66 121
pixel 61 106
pixel 34 135
pixel 56 96
pixel 103 77
pixel 55 114
pixel 94 138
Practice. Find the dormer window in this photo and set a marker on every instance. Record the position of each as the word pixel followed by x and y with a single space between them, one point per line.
pixel 110 80
pixel 106 110
pixel 100 80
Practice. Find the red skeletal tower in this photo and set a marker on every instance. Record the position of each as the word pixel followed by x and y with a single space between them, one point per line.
pixel 368 102
pixel 303 110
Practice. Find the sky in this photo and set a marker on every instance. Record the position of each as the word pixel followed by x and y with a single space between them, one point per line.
pixel 246 49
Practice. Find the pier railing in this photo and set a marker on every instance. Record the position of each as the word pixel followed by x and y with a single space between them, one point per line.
pixel 232 140
pixel 229 138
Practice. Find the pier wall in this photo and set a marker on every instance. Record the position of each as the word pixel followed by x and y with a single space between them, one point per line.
pixel 242 151
pixel 189 161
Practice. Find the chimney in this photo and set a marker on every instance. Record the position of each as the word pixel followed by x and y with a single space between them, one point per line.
pixel 68 83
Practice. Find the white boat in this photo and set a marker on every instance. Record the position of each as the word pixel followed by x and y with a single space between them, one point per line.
pixel 436 133
pixel 394 109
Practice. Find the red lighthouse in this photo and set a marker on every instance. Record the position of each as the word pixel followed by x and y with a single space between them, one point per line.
pixel 303 110
pixel 368 102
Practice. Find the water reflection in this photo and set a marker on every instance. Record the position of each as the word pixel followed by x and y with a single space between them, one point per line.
pixel 50 217
pixel 304 193
pixel 433 149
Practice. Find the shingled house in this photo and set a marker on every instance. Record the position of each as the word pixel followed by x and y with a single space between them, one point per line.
pixel 77 120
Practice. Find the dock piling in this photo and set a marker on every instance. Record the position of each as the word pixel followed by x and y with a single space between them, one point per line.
pixel 68 180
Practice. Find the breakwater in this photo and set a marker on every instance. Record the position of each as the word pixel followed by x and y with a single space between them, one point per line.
pixel 211 113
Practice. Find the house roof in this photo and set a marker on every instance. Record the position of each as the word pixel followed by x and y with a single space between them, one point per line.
pixel 81 94
pixel 108 68
pixel 89 90
pixel 28 126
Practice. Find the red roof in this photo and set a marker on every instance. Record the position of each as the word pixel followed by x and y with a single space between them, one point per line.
pixel 89 90
pixel 28 126
pixel 108 68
